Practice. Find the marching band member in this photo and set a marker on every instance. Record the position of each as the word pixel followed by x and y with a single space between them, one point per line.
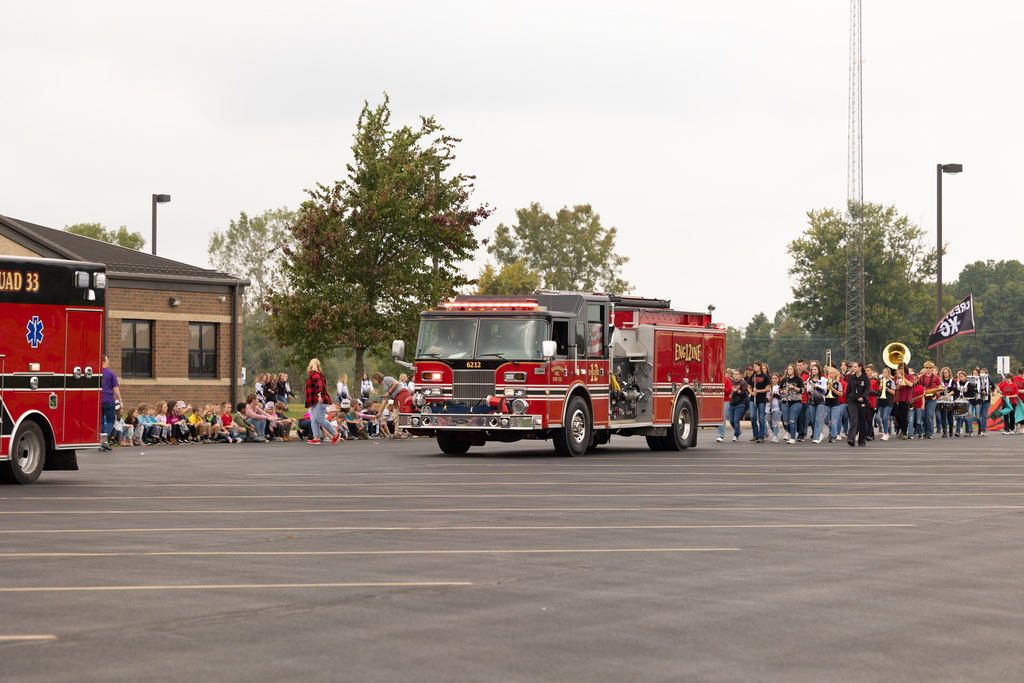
pixel 873 393
pixel 835 403
pixel 964 390
pixel 904 381
pixel 945 416
pixel 930 382
pixel 1009 390
pixel 857 395
pixel 982 400
pixel 885 400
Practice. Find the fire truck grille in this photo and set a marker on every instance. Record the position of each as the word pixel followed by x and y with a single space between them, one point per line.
pixel 473 385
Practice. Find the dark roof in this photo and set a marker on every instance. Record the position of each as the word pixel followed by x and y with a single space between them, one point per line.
pixel 118 260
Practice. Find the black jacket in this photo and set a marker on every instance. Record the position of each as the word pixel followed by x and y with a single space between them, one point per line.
pixel 858 387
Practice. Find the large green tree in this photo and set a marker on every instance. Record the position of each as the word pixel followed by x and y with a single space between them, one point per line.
pixel 570 250
pixel 121 237
pixel 897 267
pixel 375 249
pixel 515 278
pixel 998 289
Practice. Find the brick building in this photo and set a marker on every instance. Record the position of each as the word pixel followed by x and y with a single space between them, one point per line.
pixel 173 330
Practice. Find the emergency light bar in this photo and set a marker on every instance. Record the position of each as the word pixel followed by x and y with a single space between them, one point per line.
pixel 491 306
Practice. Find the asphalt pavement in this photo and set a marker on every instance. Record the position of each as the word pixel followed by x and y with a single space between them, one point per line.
pixel 390 561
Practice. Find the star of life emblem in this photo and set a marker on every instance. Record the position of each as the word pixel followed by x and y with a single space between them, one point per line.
pixel 35 331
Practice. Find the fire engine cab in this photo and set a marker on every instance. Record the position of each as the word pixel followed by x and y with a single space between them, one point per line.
pixel 574 368
pixel 50 364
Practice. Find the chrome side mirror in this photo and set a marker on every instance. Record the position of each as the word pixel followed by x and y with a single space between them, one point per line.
pixel 548 349
pixel 398 349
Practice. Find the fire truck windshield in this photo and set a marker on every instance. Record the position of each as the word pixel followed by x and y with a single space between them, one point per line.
pixel 486 338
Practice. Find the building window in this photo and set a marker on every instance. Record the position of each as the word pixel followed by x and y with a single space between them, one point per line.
pixel 136 348
pixel 202 350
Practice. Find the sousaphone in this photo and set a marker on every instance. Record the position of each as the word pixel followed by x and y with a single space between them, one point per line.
pixel 896 353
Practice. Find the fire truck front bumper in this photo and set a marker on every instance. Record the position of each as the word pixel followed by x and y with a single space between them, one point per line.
pixel 457 421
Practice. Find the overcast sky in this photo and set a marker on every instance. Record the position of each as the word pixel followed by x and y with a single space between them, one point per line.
pixel 703 131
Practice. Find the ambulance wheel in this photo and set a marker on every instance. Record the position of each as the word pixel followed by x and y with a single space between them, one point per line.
pixel 574 438
pixel 682 434
pixel 448 443
pixel 656 443
pixel 28 455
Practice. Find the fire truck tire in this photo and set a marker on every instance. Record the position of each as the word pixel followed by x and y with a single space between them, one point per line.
pixel 683 433
pixel 450 444
pixel 655 443
pixel 573 440
pixel 28 455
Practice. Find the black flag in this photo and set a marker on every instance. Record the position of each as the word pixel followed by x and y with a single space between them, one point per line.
pixel 959 320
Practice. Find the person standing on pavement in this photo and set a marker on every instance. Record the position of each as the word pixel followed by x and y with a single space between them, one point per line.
pixel 791 390
pixel 110 399
pixel 725 408
pixel 983 398
pixel 932 387
pixel 801 423
pixel 857 393
pixel 317 400
pixel 737 403
pixel 760 385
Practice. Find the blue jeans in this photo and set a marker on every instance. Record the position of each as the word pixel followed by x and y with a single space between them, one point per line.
pixel 725 420
pixel 845 421
pixel 835 419
pixel 735 416
pixel 916 417
pixel 883 414
pixel 260 425
pixel 109 411
pixel 791 414
pixel 801 422
pixel 757 421
pixel 929 416
pixel 775 422
pixel 814 416
pixel 318 420
pixel 982 416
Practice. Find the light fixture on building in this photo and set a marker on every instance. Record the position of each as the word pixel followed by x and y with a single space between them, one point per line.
pixel 222 298
pixel 175 301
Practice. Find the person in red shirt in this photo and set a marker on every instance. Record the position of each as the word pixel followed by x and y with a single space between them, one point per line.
pixel 904 380
pixel 917 402
pixel 725 408
pixel 1018 381
pixel 873 392
pixel 1009 389
pixel 801 423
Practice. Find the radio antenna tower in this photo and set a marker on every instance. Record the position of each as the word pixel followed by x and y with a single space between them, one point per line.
pixel 856 337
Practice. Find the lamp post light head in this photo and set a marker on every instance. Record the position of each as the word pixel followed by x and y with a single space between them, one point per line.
pixel 161 198
pixel 952 169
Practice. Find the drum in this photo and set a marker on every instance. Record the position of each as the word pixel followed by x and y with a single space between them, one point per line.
pixel 961 406
pixel 946 405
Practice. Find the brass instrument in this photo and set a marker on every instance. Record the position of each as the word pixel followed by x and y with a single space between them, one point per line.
pixel 883 381
pixel 896 353
pixel 828 373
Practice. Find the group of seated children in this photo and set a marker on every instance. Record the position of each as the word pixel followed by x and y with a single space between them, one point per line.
pixel 355 419
pixel 155 425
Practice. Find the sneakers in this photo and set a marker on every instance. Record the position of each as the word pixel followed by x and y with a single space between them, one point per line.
pixel 720 439
pixel 816 441
pixel 885 437
pixel 851 443
pixel 775 439
pixel 983 434
pixel 259 439
pixel 313 441
pixel 791 441
pixel 735 438
pixel 336 439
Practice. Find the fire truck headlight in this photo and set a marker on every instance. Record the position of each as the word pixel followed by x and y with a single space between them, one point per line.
pixel 519 406
pixel 81 279
pixel 415 422
pixel 510 392
pixel 515 376
pixel 99 280
pixel 504 422
pixel 419 400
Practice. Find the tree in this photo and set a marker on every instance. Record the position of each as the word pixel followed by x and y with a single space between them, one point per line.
pixel 251 248
pixel 375 249
pixel 122 238
pixel 570 251
pixel 897 268
pixel 998 290
pixel 515 278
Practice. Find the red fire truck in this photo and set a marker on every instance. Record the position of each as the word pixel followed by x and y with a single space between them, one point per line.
pixel 570 367
pixel 50 364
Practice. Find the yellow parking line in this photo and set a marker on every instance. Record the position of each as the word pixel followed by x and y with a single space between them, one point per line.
pixel 503 551
pixel 393 584
pixel 443 528
pixel 28 638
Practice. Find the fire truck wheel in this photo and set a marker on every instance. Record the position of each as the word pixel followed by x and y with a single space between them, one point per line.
pixel 655 443
pixel 681 435
pixel 574 439
pixel 28 455
pixel 449 443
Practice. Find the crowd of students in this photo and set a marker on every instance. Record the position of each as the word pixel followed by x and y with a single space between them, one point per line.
pixel 857 402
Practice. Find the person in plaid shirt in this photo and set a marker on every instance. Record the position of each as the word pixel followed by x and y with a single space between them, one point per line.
pixel 317 400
